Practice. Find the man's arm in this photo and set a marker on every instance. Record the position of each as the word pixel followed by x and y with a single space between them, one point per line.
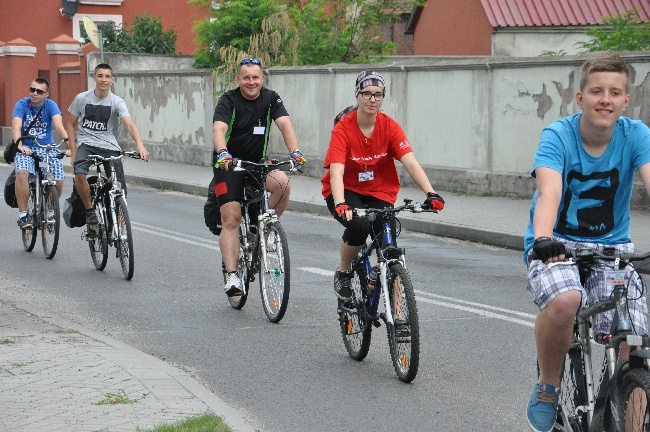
pixel 219 130
pixel 72 135
pixel 290 140
pixel 644 173
pixel 549 193
pixel 415 171
pixel 133 131
pixel 57 122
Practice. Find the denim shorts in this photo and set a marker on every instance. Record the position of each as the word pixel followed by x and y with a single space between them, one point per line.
pixel 546 283
pixel 27 163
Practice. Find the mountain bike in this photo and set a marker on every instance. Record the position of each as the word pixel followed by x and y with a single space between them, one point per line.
pixel 114 227
pixel 263 246
pixel 43 202
pixel 386 284
pixel 622 402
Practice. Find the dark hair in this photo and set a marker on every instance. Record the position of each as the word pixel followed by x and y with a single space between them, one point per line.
pixel 607 61
pixel 41 80
pixel 103 66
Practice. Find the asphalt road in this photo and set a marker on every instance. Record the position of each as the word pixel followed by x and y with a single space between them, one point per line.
pixel 477 363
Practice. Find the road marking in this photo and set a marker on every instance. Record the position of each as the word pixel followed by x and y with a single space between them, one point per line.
pixel 173 235
pixel 454 303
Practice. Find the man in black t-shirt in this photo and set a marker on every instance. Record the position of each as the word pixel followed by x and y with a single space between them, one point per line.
pixel 241 126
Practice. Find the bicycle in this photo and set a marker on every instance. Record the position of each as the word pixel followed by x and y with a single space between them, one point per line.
pixel 114 227
pixel 263 245
pixel 43 202
pixel 387 280
pixel 614 407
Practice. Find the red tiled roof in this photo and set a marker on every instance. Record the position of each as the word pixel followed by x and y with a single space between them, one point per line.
pixel 534 13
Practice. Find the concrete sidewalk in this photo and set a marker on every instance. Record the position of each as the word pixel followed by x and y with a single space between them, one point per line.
pixel 54 373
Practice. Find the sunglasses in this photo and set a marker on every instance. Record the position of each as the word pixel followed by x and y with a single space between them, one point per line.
pixel 250 61
pixel 37 91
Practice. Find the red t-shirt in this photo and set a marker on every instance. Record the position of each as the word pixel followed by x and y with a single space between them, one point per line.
pixel 369 162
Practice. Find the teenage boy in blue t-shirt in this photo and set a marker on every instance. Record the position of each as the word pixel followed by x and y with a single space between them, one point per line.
pixel 584 168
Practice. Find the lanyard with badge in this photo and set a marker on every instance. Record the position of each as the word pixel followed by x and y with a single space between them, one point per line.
pixel 259 129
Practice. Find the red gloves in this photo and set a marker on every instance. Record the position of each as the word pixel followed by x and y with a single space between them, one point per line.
pixel 434 202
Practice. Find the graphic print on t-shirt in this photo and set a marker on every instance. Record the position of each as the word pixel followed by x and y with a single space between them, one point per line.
pixel 588 209
pixel 96 117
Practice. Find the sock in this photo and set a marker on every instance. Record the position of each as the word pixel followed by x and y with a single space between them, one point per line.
pixel 22 214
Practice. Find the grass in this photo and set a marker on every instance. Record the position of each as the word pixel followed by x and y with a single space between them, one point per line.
pixel 204 423
pixel 117 398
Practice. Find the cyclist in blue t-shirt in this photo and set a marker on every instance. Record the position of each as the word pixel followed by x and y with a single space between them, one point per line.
pixel 584 168
pixel 42 114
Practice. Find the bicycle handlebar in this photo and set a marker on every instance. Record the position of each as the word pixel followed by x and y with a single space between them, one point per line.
pixel 586 256
pixel 408 205
pixel 97 159
pixel 44 146
pixel 239 164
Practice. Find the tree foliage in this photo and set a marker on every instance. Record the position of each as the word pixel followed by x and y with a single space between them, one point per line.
pixel 146 36
pixel 626 32
pixel 297 31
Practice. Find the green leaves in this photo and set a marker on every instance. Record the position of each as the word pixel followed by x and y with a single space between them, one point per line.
pixel 619 33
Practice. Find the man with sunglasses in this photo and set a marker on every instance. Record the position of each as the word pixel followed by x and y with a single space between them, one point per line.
pixel 241 126
pixel 35 115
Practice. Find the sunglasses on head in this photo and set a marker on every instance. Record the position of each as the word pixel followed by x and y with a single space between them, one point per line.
pixel 251 61
pixel 37 91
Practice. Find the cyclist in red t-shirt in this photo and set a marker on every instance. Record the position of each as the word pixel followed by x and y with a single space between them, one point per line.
pixel 361 172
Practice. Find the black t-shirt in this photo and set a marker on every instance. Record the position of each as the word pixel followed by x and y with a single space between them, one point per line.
pixel 243 116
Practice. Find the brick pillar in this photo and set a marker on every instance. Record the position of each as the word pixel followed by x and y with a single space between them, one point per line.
pixel 64 60
pixel 20 69
pixel 2 87
pixel 62 49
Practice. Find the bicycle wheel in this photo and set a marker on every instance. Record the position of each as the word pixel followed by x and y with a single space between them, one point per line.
pixel 124 240
pixel 98 240
pixel 238 302
pixel 29 235
pixel 635 411
pixel 355 326
pixel 573 394
pixel 404 335
pixel 51 224
pixel 275 277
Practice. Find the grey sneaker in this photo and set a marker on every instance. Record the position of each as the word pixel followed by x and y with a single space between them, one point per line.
pixel 234 286
pixel 25 222
pixel 343 284
pixel 91 217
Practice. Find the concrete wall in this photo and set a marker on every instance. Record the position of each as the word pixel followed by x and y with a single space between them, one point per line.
pixel 532 42
pixel 474 122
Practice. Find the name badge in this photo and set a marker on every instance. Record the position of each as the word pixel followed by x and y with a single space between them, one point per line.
pixel 366 176
pixel 259 130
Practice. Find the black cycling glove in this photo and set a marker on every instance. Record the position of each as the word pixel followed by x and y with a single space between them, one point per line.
pixel 546 248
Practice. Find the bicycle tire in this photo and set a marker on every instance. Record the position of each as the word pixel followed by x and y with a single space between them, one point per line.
pixel 124 240
pixel 573 393
pixel 404 336
pixel 636 394
pixel 98 240
pixel 51 223
pixel 238 302
pixel 275 279
pixel 29 235
pixel 355 326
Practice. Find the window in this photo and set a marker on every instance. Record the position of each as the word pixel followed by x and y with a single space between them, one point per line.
pixel 103 2
pixel 78 20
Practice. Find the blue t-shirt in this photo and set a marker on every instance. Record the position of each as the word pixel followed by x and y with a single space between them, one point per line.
pixel 596 191
pixel 42 128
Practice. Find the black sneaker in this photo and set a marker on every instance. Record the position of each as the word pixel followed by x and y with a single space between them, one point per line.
pixel 25 222
pixel 343 284
pixel 91 217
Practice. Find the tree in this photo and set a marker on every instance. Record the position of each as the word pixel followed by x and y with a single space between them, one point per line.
pixel 146 36
pixel 626 32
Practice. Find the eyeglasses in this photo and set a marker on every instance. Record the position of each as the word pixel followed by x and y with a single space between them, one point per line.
pixel 37 91
pixel 250 61
pixel 367 95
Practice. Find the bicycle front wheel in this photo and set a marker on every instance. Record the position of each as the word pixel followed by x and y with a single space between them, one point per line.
pixel 636 400
pixel 404 333
pixel 124 241
pixel 29 235
pixel 275 275
pixel 98 240
pixel 355 326
pixel 51 222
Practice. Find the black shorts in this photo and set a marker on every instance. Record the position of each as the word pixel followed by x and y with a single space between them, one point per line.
pixel 229 185
pixel 82 166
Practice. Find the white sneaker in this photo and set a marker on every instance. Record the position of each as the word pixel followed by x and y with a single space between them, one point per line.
pixel 270 242
pixel 234 287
